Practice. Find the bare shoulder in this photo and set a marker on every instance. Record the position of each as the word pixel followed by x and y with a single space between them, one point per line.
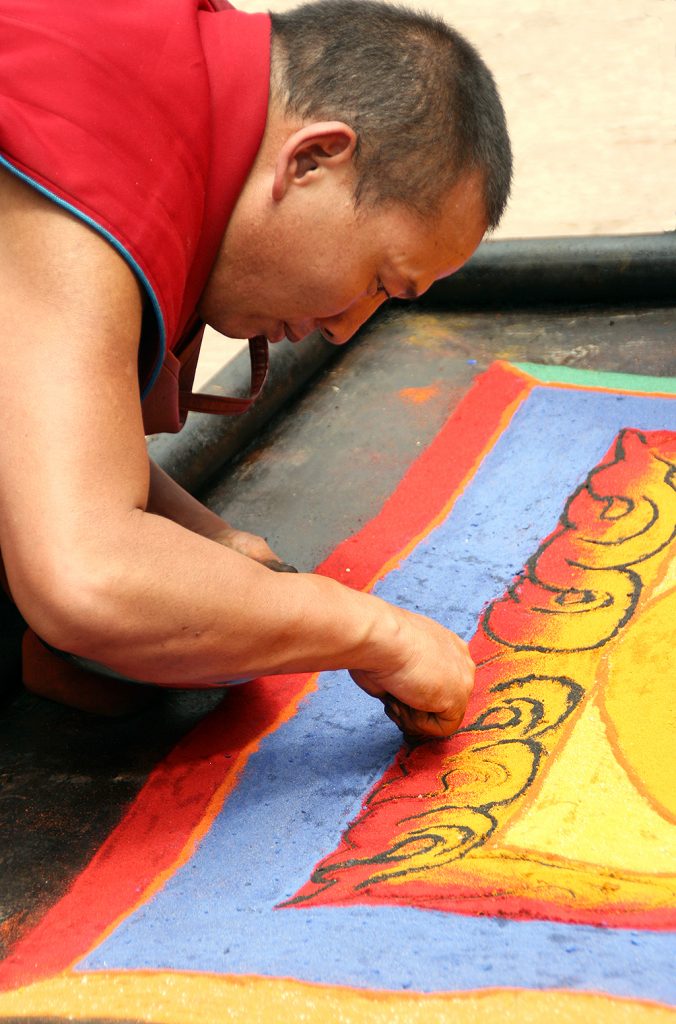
pixel 52 259
pixel 73 445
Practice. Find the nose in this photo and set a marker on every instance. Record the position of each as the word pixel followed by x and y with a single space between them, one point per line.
pixel 340 328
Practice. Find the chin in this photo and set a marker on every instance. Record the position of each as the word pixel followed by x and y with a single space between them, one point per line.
pixel 230 330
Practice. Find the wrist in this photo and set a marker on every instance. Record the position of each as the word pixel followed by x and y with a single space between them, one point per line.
pixel 381 643
pixel 330 626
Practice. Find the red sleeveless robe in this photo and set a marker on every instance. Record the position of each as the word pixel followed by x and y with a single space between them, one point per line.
pixel 143 118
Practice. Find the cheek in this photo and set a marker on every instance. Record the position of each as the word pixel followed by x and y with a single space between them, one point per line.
pixel 331 286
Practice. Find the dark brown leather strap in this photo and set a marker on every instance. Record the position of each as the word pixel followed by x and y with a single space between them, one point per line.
pixel 226 406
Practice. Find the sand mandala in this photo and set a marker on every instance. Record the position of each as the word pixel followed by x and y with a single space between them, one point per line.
pixel 293 856
pixel 556 799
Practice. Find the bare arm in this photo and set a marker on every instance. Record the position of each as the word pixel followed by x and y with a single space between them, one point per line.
pixel 167 498
pixel 93 570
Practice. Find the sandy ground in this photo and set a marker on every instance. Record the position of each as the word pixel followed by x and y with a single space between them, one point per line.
pixel 589 87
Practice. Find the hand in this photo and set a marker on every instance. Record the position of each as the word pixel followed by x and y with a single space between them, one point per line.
pixel 426 689
pixel 252 546
pixel 168 499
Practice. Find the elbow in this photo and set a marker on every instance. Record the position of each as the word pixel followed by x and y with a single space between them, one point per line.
pixel 69 606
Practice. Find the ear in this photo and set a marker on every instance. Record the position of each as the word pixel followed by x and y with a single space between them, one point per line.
pixel 323 144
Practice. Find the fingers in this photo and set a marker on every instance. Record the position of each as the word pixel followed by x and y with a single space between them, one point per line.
pixel 415 723
pixel 254 547
pixel 277 566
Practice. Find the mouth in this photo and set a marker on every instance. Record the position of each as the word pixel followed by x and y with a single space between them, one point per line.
pixel 291 334
pixel 276 335
pixel 284 330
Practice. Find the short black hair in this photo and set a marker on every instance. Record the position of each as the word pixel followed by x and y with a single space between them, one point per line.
pixel 424 105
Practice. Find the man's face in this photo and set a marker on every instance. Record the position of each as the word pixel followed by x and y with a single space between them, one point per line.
pixel 312 261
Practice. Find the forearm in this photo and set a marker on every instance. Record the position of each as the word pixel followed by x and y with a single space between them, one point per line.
pixel 176 608
pixel 168 499
pixel 97 574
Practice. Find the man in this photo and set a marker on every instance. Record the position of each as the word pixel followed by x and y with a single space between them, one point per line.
pixel 155 180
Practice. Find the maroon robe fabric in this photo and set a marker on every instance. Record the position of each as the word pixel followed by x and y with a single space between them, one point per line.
pixel 143 118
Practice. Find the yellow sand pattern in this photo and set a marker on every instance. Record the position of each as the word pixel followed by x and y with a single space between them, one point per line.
pixel 173 998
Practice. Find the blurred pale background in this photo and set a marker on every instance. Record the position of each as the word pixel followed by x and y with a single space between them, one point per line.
pixel 589 87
